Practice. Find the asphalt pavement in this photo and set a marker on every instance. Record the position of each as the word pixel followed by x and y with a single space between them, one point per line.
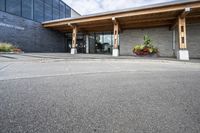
pixel 56 94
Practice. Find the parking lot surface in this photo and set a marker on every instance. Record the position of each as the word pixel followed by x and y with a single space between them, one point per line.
pixel 61 93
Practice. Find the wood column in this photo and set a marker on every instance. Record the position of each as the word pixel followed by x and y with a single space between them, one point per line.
pixel 116 35
pixel 182 32
pixel 87 44
pixel 74 36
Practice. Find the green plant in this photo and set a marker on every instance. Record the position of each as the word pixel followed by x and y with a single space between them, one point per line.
pixel 147 41
pixel 138 47
pixel 146 48
pixel 6 47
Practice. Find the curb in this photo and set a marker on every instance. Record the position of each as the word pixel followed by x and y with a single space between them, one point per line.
pixel 11 52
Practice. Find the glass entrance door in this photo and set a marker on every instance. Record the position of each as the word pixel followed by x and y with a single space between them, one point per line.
pixel 97 43
pixel 81 44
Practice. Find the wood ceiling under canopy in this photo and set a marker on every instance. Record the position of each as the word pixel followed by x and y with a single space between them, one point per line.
pixel 153 16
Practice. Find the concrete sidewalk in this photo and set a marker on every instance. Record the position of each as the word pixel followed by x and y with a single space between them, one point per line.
pixel 48 64
pixel 67 56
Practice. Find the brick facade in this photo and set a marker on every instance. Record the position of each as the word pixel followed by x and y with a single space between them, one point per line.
pixel 28 35
pixel 162 38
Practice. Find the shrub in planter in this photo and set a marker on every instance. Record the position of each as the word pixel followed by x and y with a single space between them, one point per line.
pixel 7 47
pixel 145 49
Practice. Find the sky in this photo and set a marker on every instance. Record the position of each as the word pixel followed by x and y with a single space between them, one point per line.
pixel 85 7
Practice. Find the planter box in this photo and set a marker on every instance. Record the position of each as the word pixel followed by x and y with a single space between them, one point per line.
pixel 149 55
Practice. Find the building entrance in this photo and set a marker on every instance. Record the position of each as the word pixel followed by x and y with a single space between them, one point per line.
pixel 81 43
pixel 93 43
pixel 101 43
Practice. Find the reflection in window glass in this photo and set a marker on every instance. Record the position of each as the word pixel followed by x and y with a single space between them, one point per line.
pixel 2 5
pixel 56 4
pixel 48 12
pixel 27 9
pixel 103 43
pixel 107 38
pixel 62 10
pixel 48 2
pixel 68 12
pixel 38 10
pixel 55 13
pixel 14 7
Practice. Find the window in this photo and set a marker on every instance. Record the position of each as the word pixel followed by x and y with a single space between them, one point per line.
pixel 107 38
pixel 103 43
pixel 38 10
pixel 14 7
pixel 27 9
pixel 62 10
pixel 55 13
pixel 68 12
pixel 56 4
pixel 48 2
pixel 2 5
pixel 48 12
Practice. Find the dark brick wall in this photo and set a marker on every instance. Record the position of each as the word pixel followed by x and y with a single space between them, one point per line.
pixel 28 35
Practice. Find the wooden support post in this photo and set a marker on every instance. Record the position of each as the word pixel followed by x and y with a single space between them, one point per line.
pixel 74 36
pixel 183 53
pixel 182 33
pixel 115 20
pixel 182 28
pixel 182 15
pixel 185 12
pixel 116 35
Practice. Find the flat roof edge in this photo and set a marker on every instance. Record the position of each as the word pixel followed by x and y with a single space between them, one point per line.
pixel 159 5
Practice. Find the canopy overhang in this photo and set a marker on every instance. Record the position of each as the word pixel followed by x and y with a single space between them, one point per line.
pixel 145 17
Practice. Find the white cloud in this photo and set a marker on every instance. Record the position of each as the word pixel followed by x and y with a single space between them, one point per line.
pixel 95 6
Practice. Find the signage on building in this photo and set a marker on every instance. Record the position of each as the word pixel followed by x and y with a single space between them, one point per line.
pixel 11 26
